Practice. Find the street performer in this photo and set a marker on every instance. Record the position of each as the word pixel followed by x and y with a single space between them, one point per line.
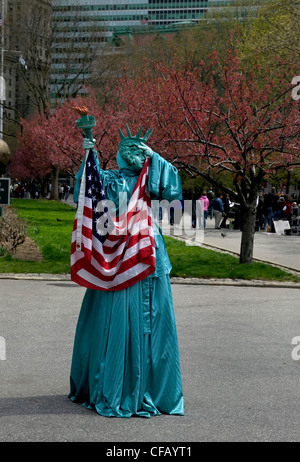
pixel 125 358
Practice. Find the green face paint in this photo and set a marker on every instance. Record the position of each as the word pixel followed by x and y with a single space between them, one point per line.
pixel 132 148
pixel 133 155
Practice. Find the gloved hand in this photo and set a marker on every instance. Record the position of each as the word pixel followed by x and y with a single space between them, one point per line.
pixel 88 144
pixel 146 150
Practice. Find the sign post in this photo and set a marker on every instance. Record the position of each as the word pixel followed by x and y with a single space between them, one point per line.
pixel 4 192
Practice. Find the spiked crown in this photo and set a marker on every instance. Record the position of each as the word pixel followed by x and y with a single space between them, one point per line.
pixel 134 138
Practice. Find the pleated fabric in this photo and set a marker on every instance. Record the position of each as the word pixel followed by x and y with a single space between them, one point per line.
pixel 125 358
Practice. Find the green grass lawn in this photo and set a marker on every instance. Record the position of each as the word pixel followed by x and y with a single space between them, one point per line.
pixel 53 238
pixel 192 261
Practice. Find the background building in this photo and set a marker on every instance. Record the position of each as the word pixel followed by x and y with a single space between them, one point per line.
pixel 82 29
pixel 169 11
pixel 49 47
pixel 25 61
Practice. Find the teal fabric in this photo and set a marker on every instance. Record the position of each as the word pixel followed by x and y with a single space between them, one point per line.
pixel 125 358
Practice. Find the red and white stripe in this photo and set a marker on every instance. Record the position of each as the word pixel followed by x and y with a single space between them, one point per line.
pixel 128 253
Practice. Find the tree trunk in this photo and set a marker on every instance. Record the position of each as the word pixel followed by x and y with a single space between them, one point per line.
pixel 288 181
pixel 44 188
pixel 54 184
pixel 248 231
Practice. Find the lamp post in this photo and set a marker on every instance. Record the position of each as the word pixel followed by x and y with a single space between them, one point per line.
pixel 2 80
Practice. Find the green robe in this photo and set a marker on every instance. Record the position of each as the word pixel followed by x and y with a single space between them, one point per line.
pixel 125 358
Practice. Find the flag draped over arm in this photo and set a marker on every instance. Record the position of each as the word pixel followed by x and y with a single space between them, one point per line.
pixel 111 252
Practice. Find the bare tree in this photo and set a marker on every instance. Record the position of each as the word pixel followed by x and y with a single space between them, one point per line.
pixel 28 43
pixel 74 46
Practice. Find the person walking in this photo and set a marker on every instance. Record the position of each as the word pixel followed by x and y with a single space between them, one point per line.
pixel 226 204
pixel 277 206
pixel 218 208
pixel 259 225
pixel 287 208
pixel 269 201
pixel 66 192
pixel 205 205
pixel 295 220
pixel 60 192
pixel 211 196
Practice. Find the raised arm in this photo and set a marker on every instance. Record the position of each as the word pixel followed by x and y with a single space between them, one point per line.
pixel 85 123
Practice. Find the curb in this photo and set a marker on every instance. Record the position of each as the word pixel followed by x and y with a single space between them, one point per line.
pixel 235 282
pixel 289 269
pixel 174 280
pixel 259 260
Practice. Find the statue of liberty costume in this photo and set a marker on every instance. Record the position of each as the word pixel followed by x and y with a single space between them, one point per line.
pixel 125 357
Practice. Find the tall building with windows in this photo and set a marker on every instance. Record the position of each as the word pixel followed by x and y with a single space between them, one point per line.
pixel 25 32
pixel 82 28
pixel 120 13
pixel 163 12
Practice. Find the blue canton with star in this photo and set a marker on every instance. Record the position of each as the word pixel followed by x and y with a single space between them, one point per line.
pixel 102 224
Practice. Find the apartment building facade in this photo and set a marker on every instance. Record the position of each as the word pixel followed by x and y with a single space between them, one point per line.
pixel 25 61
pixel 82 29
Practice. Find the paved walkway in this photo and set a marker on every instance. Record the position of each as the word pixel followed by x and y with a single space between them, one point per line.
pixel 281 250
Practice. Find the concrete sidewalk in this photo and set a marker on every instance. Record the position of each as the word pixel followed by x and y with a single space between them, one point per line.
pixel 281 250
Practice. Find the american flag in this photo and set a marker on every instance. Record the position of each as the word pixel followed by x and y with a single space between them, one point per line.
pixel 111 252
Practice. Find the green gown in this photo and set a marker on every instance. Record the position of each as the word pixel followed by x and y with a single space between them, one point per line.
pixel 125 357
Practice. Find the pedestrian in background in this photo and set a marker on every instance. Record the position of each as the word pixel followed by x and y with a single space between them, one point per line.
pixel 205 205
pixel 60 192
pixel 218 208
pixel 295 214
pixel 66 191
pixel 277 206
pixel 270 199
pixel 226 204
pixel 259 225
pixel 210 196
pixel 287 208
